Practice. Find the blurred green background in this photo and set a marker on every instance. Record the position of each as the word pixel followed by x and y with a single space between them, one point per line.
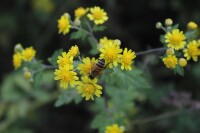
pixel 34 23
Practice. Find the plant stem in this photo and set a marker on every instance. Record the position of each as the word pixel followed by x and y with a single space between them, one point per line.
pixel 151 51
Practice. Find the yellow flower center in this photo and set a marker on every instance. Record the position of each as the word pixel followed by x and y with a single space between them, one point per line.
pixel 98 14
pixel 110 55
pixel 62 24
pixel 67 77
pixel 176 39
pixel 89 89
pixel 126 59
pixel 64 61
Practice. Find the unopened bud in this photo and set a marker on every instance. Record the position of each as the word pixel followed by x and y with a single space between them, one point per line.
pixel 170 51
pixel 117 41
pixel 182 62
pixel 77 22
pixel 27 75
pixel 158 25
pixel 67 15
pixel 192 25
pixel 168 22
pixel 18 47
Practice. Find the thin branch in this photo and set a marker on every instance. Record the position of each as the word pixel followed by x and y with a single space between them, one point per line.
pixel 159 117
pixel 151 51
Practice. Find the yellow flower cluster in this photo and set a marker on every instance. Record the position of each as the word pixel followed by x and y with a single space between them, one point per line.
pixel 64 24
pixel 114 129
pixel 65 72
pixel 111 52
pixel 179 45
pixel 22 54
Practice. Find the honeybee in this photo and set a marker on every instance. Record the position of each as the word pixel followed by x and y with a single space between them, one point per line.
pixel 97 68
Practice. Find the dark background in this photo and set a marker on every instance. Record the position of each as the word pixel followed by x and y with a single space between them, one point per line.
pixel 131 21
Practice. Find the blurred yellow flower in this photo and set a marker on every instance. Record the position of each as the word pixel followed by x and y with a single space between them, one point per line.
pixel 192 51
pixel 17 60
pixel 182 62
pixel 192 25
pixel 86 67
pixel 89 88
pixel 111 54
pixel 64 24
pixel 170 61
pixel 79 12
pixel 175 39
pixel 64 59
pixel 98 15
pixel 127 59
pixel 66 75
pixel 114 129
pixel 74 51
pixel 28 54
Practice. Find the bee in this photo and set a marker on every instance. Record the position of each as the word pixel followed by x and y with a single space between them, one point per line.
pixel 97 68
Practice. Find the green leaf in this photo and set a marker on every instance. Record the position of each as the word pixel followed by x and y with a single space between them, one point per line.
pixel 65 97
pixel 37 80
pixel 53 59
pixel 99 28
pixel 78 99
pixel 79 34
pixel 191 34
pixel 162 39
pixel 178 69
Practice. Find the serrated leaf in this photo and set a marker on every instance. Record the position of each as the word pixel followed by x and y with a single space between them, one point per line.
pixel 80 34
pixel 190 35
pixel 99 28
pixel 54 57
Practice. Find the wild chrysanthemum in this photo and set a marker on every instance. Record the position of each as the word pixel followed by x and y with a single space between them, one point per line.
pixel 98 15
pixel 74 51
pixel 105 40
pixel 17 60
pixel 79 12
pixel 86 67
pixel 114 129
pixel 127 59
pixel 192 51
pixel 28 54
pixel 170 61
pixel 89 87
pixel 64 59
pixel 111 54
pixel 175 39
pixel 64 24
pixel 66 76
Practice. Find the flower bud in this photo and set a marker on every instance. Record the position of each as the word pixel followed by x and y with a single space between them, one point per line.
pixel 18 47
pixel 182 62
pixel 77 22
pixel 117 41
pixel 168 22
pixel 67 15
pixel 170 51
pixel 192 25
pixel 158 25
pixel 27 75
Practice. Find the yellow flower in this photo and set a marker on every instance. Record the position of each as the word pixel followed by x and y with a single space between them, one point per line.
pixel 105 40
pixel 111 54
pixel 114 129
pixel 66 76
pixel 74 51
pixel 65 59
pixel 192 25
pixel 89 87
pixel 182 62
pixel 64 24
pixel 17 60
pixel 28 54
pixel 86 67
pixel 127 59
pixel 175 39
pixel 170 61
pixel 79 12
pixel 192 51
pixel 98 15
